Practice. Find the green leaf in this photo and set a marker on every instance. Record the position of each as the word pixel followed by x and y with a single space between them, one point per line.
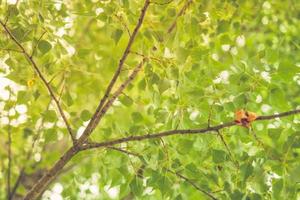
pixel 255 196
pixel 36 94
pixel 142 84
pixel 287 69
pixel 246 171
pixel 218 156
pixel 223 26
pixel 69 99
pixel 50 135
pixel 136 186
pixel 163 86
pixel 277 98
pixel 126 101
pixel 117 35
pixel 50 115
pixel 277 188
pixel 185 145
pixel 13 10
pixel 41 18
pixel 23 97
pixel 18 33
pixel 274 133
pixel 137 117
pixel 85 115
pixel 27 132
pixel 236 195
pixel 44 46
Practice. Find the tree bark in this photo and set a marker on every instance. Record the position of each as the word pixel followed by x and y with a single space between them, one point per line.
pixel 44 182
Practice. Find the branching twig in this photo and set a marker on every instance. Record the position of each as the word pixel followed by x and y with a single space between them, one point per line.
pixel 119 91
pixel 102 108
pixel 39 73
pixel 209 130
pixel 53 172
pixel 99 111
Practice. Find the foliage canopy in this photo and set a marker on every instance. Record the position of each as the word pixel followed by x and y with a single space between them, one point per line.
pixel 184 65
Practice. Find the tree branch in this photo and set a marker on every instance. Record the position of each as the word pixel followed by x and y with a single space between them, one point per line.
pixel 182 132
pixel 41 76
pixel 96 119
pixel 279 115
pixel 40 186
pixel 17 183
pixel 97 115
pixel 52 173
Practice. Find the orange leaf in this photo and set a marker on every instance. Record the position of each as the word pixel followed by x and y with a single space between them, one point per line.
pixel 251 116
pixel 244 118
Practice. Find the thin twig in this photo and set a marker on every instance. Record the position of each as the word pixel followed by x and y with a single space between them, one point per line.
pixel 120 19
pixel 141 170
pixel 193 184
pixel 37 43
pixel 124 151
pixel 227 148
pixel 36 68
pixel 149 57
pixel 209 116
pixel 181 12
